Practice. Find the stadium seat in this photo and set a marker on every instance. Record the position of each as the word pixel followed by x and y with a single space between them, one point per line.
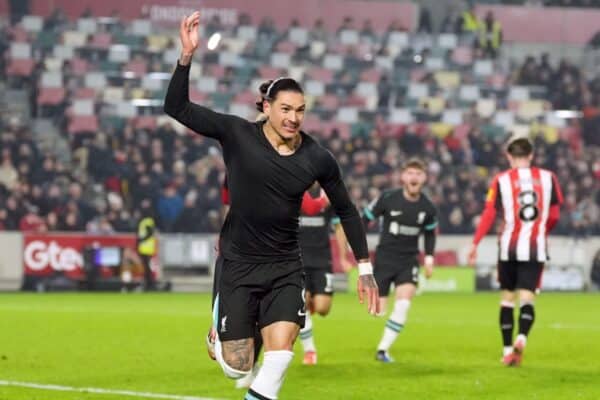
pixel 141 27
pixel 82 107
pixel 504 118
pixel 51 80
pixel 20 50
pixel 87 25
pixel 83 123
pixel 96 80
pixel 483 68
pixel 447 79
pixel 447 40
pixel 485 107
pixel 462 56
pixel 281 60
pixel 333 62
pixel 531 109
pixel 20 67
pixel 74 39
pixel 207 84
pixel 32 23
pixel 347 115
pixel 452 116
pixel 100 40
pixel 248 33
pixel 314 87
pixel 51 96
pixel 298 36
pixel 434 64
pixel 469 93
pixel 440 129
pixel 518 93
pixel 63 52
pixel 349 37
pixel 119 53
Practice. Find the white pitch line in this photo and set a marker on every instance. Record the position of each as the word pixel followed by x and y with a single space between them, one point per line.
pixel 60 388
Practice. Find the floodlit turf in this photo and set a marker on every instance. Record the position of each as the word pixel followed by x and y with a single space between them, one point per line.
pixel 450 349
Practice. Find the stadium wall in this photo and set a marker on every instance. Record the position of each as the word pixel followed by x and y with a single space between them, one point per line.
pixel 190 256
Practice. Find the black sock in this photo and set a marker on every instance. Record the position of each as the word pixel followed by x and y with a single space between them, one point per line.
pixel 526 319
pixel 506 324
pixel 258 342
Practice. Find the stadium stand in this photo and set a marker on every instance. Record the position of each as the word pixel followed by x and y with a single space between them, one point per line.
pixel 98 143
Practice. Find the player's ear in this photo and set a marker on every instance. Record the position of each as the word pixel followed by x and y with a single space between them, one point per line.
pixel 266 107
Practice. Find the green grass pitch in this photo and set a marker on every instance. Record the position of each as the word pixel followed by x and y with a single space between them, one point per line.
pixel 450 349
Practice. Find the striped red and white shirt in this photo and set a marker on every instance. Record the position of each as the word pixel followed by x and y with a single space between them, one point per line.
pixel 529 199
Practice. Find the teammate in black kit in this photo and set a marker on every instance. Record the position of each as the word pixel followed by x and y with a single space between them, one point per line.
pixel 270 164
pixel 316 221
pixel 407 213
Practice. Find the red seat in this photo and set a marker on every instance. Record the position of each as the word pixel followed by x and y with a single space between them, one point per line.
pixel 323 75
pixel 83 123
pixel 20 67
pixel 138 67
pixel 145 122
pixel 51 96
pixel 286 47
pixel 85 93
pixel 101 40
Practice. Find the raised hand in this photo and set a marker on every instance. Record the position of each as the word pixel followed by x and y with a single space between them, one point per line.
pixel 188 34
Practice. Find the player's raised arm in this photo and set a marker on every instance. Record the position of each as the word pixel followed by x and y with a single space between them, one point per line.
pixel 177 101
pixel 331 181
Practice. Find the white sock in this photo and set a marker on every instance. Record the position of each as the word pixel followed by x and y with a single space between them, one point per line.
pixel 306 335
pixel 506 350
pixel 394 324
pixel 271 374
pixel 522 338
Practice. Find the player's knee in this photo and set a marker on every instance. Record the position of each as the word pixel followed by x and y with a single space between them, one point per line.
pixel 322 309
pixel 235 364
pixel 238 361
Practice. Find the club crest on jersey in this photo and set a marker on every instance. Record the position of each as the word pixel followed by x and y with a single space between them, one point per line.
pixel 421 217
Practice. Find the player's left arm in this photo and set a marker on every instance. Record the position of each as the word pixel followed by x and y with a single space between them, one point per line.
pixel 342 245
pixel 555 202
pixel 430 235
pixel 492 203
pixel 330 179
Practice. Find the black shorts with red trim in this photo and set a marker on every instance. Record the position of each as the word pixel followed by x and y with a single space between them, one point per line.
pixel 514 275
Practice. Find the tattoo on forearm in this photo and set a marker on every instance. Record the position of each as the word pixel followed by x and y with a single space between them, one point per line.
pixel 368 281
pixel 239 354
pixel 185 59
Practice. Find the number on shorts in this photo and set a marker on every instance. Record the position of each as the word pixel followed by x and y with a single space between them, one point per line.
pixel 528 210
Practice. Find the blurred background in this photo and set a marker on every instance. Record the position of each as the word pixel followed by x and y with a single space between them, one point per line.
pixel 86 151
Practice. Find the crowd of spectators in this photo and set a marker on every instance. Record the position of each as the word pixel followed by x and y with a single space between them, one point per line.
pixel 102 184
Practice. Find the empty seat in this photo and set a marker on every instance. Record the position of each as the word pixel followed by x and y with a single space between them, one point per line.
pixel 87 25
pixel 119 53
pixel 20 50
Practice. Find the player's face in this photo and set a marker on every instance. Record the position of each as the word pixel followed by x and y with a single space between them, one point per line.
pixel 286 113
pixel 413 180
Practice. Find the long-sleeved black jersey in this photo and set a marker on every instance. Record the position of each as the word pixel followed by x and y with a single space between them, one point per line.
pixel 265 188
pixel 403 223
